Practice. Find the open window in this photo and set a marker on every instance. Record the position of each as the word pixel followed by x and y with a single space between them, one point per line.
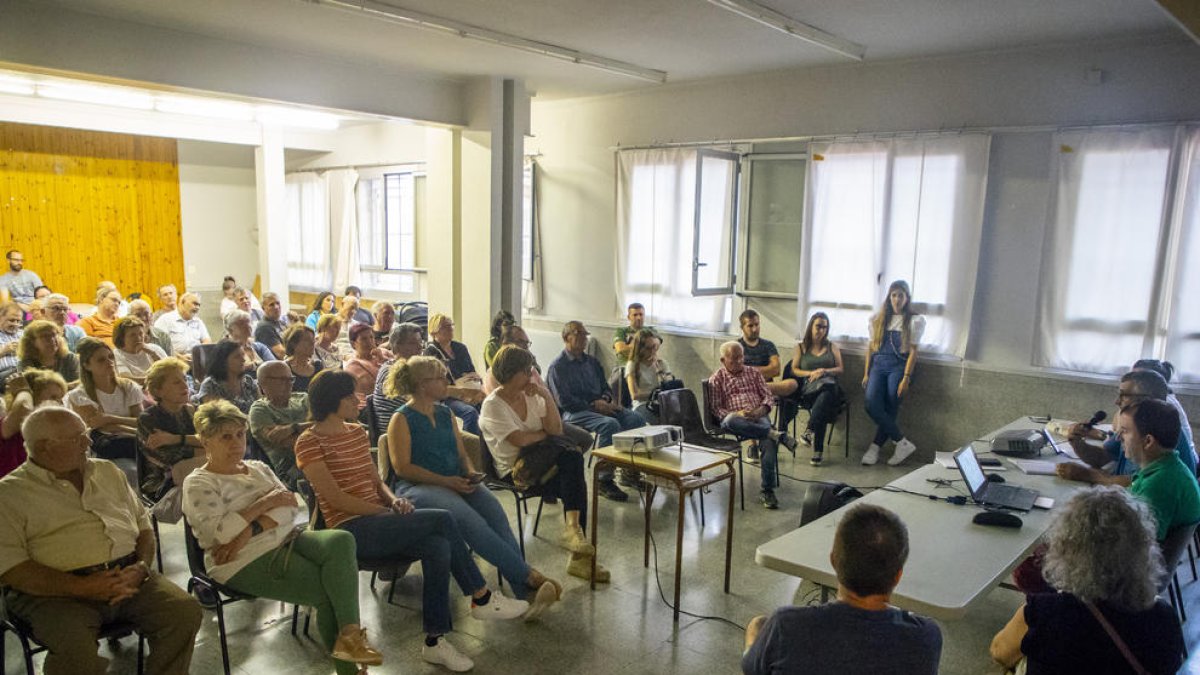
pixel 715 217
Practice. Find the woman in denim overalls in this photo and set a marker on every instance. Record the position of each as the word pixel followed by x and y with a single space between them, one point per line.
pixel 895 332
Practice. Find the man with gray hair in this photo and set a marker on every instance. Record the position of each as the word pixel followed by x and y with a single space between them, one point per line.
pixel 742 401
pixel 56 308
pixel 278 418
pixel 76 547
pixel 269 329
pixel 168 297
pixel 184 326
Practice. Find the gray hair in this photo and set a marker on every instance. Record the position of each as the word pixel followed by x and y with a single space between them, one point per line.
pixel 727 347
pixel 235 315
pixel 57 296
pixel 400 333
pixel 266 367
pixel 270 295
pixel 45 423
pixel 1102 547
pixel 139 303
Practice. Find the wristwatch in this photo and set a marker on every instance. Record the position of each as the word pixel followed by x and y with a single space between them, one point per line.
pixel 256 528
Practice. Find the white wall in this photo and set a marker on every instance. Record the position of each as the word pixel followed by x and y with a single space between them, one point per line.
pixel 1149 81
pixel 218 206
pixel 365 144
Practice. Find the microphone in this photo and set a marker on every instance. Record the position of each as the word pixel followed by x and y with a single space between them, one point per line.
pixel 1097 417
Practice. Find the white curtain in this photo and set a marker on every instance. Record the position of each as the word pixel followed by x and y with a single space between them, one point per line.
pixel 343 227
pixel 531 245
pixel 1183 311
pixel 881 210
pixel 1098 286
pixel 656 204
pixel 308 230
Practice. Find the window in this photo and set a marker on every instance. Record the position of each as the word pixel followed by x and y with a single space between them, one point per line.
pixel 1119 279
pixel 715 215
pixel 773 224
pixel 387 214
pixel 882 210
pixel 308 230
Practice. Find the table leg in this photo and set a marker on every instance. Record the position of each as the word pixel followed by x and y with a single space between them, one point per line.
pixel 729 525
pixel 649 493
pixel 679 549
pixel 595 521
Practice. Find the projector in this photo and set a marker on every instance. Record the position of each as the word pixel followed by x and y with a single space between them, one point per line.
pixel 647 439
pixel 1019 443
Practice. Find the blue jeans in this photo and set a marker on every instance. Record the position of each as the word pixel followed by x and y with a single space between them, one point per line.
pixel 758 429
pixel 431 536
pixel 466 412
pixel 642 409
pixel 483 524
pixel 882 401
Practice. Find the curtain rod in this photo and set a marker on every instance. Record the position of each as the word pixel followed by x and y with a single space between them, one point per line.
pixel 342 167
pixel 896 134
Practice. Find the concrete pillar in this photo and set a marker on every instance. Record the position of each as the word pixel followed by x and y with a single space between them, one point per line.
pixel 272 213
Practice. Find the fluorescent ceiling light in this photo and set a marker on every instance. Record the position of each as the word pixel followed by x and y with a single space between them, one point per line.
pixel 295 117
pixel 797 29
pixel 86 93
pixel 415 19
pixel 16 85
pixel 204 107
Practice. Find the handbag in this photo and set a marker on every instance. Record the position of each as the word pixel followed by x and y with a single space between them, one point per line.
pixel 1112 633
pixel 538 462
pixel 814 387
pixel 652 403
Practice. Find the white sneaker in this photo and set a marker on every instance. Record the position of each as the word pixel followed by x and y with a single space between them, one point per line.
pixel 499 607
pixel 871 457
pixel 904 448
pixel 445 654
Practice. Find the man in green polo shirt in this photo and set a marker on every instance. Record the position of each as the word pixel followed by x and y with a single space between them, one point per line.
pixel 1149 432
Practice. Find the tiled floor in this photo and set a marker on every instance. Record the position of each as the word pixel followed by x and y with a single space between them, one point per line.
pixel 622 628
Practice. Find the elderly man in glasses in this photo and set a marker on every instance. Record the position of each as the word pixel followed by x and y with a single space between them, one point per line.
pixel 278 418
pixel 56 307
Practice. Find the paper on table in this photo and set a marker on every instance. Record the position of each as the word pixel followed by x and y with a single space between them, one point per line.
pixel 946 461
pixel 1038 467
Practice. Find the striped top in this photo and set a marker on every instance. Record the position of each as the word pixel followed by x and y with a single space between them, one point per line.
pixel 348 457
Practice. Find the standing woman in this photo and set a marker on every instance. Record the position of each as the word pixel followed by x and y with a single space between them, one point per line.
pixel 322 305
pixel 42 346
pixel 891 357
pixel 300 345
pixel 227 378
pixel 816 359
pixel 243 518
pixel 108 404
pixel 644 372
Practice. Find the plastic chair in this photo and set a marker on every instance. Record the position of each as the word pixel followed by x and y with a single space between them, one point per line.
pixel 113 632
pixel 201 355
pixel 143 467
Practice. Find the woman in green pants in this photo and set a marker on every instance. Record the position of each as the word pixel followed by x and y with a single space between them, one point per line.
pixel 246 521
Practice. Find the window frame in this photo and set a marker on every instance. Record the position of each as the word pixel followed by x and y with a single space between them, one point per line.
pixel 745 228
pixel 735 161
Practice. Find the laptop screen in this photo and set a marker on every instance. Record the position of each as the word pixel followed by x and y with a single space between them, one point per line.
pixel 972 473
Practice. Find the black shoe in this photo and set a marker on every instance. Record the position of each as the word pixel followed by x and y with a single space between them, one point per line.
pixel 767 497
pixel 787 442
pixel 752 453
pixel 629 478
pixel 807 437
pixel 816 459
pixel 550 499
pixel 610 491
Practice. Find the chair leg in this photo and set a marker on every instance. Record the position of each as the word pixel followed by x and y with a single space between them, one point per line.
pixel 374 575
pixel 847 432
pixel 141 654
pixel 1179 596
pixel 28 654
pixel 520 525
pixel 538 518
pixel 157 545
pixel 221 633
pixel 1192 560
pixel 741 477
pixel 702 523
pixel 295 616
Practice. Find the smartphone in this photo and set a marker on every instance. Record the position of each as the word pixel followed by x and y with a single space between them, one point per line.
pixel 476 478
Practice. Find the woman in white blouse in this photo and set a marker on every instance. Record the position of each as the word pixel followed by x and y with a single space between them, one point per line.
pixel 108 404
pixel 251 529
pixel 133 354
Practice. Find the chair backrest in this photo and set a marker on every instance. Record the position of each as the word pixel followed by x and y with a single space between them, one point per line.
pixel 619 386
pixel 314 509
pixel 195 554
pixel 1172 547
pixel 372 419
pixel 489 464
pixel 201 355
pixel 679 407
pixel 710 416
pixel 384 462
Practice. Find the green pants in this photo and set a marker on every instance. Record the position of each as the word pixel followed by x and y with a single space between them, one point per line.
pixel 321 572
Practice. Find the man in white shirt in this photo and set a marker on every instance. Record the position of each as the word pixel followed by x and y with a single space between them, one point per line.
pixel 18 281
pixel 184 326
pixel 75 550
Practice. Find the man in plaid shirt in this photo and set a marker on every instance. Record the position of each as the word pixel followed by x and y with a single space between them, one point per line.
pixel 742 402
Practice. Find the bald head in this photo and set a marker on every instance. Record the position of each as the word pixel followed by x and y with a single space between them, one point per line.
pixel 273 368
pixel 56 439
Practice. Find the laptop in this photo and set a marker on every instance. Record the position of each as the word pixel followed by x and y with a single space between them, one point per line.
pixel 988 493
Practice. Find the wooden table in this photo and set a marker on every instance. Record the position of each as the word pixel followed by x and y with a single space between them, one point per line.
pixel 952 562
pixel 681 468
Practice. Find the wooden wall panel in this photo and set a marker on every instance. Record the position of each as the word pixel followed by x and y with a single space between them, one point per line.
pixel 87 206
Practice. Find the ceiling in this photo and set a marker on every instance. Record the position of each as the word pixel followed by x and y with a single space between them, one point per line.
pixel 690 39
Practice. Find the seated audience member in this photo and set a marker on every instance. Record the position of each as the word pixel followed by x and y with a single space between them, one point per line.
pixel 860 632
pixel 1167 370
pixel 236 297
pixel 57 308
pixel 365 363
pixel 384 315
pixel 335 456
pixel 26 391
pixel 1149 433
pixel 168 296
pixel 762 355
pixel 238 329
pixel 819 363
pixel 624 336
pixel 278 418
pixel 140 309
pixel 404 343
pixel 10 338
pixel 645 372
pixel 327 349
pixel 269 330
pixel 322 305
pixel 1108 464
pixel 245 520
pixel 109 404
pixel 742 402
pixel 20 283
pixel 42 346
pixel 299 345
pixel 100 323
pixel 577 381
pixel 133 354
pixel 245 301
pixel 502 320
pixel 34 310
pixel 123 306
pixel 166 431
pixel 184 326
pixel 466 390
pixel 348 309
pixel 361 314
pixel 1102 559
pixel 227 378
pixel 520 420
pixel 76 550
pixel 433 472
pixel 895 332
